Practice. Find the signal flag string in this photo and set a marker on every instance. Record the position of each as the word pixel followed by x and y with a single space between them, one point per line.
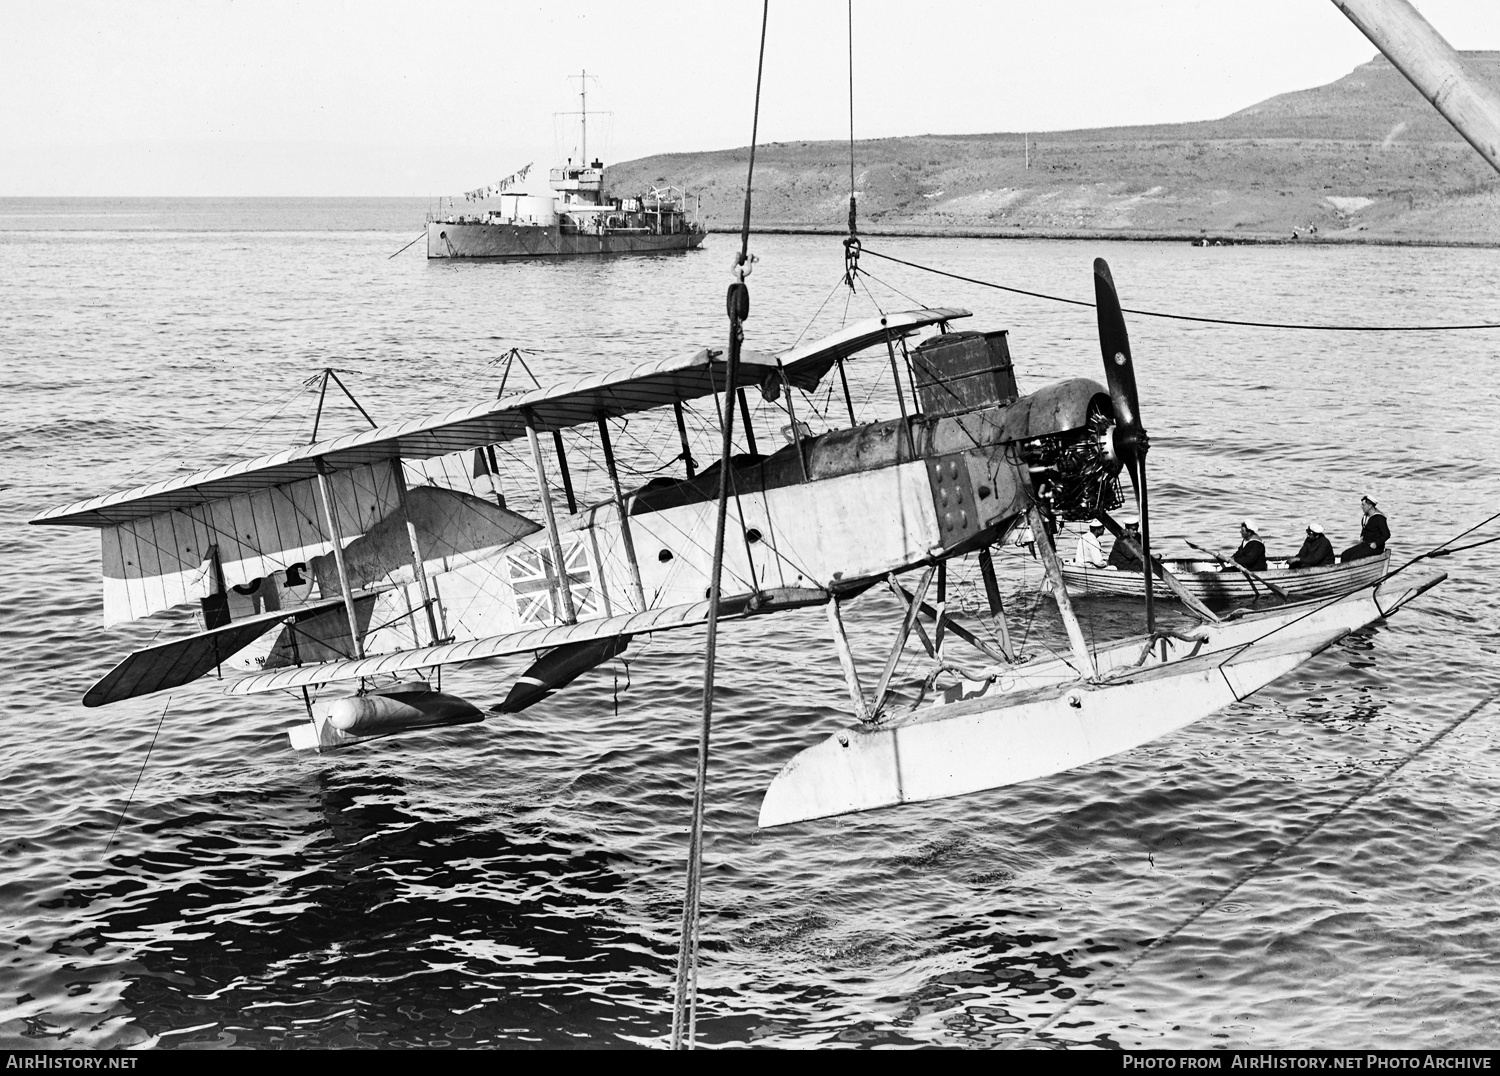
pixel 1185 317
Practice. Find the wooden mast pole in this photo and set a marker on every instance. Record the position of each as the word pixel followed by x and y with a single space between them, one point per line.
pixel 1434 67
pixel 564 592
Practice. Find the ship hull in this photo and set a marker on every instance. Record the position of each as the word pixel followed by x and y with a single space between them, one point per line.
pixel 447 240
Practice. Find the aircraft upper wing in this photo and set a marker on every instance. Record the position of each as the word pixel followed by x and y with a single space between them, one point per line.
pixel 519 642
pixel 806 365
pixel 572 403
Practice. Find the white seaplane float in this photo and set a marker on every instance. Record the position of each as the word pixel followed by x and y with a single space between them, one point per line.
pixel 343 562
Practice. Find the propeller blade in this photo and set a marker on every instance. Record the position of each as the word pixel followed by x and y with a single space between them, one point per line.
pixel 1131 442
pixel 1119 368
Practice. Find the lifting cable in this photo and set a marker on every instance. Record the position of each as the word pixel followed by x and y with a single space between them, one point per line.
pixel 1187 317
pixel 851 245
pixel 685 1007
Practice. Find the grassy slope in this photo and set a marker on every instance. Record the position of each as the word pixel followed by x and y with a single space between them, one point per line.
pixel 1364 158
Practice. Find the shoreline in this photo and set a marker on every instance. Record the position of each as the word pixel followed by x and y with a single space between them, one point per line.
pixel 1201 238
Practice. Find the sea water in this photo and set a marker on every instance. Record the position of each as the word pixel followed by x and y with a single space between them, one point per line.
pixel 519 882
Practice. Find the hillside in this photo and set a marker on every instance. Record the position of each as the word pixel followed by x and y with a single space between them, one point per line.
pixel 1364 158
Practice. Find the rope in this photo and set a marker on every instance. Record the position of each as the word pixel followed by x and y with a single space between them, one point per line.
pixel 1257 870
pixel 408 246
pixel 760 65
pixel 853 208
pixel 685 1008
pixel 1188 317
pixel 149 748
pixel 891 287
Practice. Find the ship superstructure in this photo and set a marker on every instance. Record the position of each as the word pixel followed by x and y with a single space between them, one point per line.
pixel 577 217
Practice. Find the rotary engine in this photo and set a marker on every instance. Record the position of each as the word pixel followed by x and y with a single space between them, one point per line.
pixel 1075 474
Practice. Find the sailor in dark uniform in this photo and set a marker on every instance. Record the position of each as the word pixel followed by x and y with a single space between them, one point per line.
pixel 1252 551
pixel 1373 534
pixel 1316 551
pixel 1121 558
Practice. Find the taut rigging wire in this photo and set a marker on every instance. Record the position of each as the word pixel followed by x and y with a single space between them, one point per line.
pixel 1224 894
pixel 685 1007
pixel 1184 317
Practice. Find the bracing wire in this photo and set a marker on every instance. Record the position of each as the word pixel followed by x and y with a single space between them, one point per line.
pixel 1260 868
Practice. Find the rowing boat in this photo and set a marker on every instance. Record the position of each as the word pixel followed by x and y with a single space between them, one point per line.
pixel 1207 580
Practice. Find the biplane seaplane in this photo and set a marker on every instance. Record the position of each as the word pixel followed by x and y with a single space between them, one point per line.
pixel 327 565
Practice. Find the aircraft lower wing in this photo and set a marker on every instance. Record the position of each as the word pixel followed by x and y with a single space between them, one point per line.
pixel 182 661
pixel 519 642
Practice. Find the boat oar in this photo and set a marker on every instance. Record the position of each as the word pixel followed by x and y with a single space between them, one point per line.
pixel 1237 566
pixel 1160 570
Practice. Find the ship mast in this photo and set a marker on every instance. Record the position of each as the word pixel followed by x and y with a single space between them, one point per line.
pixel 583 114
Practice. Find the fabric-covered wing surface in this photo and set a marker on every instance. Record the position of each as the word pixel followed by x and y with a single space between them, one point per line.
pixel 664 619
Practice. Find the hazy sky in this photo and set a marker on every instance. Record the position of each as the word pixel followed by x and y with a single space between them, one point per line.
pixel 394 98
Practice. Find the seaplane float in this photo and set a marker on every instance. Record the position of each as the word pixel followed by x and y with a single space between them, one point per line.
pixel 351 561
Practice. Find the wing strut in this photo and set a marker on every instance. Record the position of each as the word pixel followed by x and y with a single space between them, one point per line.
pixel 331 518
pixel 399 473
pixel 883 688
pixel 559 565
pixel 624 512
pixel 1048 554
pixel 846 659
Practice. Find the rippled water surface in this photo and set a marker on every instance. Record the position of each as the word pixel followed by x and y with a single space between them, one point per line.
pixel 519 882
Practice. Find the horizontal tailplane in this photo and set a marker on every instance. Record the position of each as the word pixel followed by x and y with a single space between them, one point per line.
pixel 182 661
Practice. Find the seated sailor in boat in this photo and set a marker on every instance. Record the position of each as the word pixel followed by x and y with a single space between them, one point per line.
pixel 1373 533
pixel 1252 551
pixel 1025 537
pixel 1120 557
pixel 1316 550
pixel 1089 553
